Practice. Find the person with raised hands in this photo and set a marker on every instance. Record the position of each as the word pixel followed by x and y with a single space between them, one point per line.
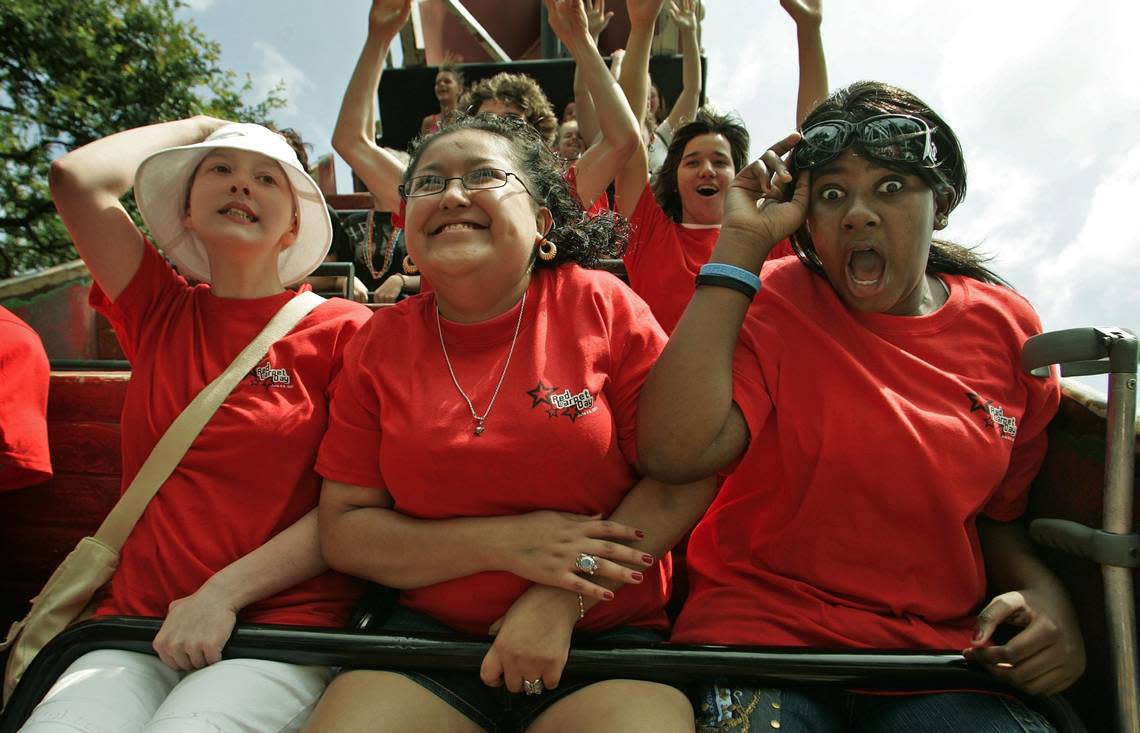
pixel 231 534
pixel 592 173
pixel 676 215
pixel 505 451
pixel 880 436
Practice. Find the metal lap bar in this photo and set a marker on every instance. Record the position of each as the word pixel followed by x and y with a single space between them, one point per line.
pixel 663 662
pixel 1097 351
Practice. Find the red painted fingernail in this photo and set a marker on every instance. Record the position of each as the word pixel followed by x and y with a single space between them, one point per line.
pixel 637 576
pixel 647 559
pixel 639 533
pixel 608 595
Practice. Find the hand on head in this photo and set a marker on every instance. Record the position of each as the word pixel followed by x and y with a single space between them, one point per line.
pixel 757 199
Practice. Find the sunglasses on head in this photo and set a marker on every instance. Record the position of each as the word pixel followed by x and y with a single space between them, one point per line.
pixel 890 138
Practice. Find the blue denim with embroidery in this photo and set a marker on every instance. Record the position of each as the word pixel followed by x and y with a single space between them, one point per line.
pixel 725 708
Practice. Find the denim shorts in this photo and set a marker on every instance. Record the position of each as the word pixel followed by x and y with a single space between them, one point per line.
pixel 496 709
pixel 723 708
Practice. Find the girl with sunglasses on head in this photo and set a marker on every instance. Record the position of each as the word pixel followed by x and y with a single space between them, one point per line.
pixel 232 532
pixel 676 215
pixel 506 94
pixel 880 435
pixel 492 453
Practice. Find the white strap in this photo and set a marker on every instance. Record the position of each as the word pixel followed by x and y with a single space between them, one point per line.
pixel 174 443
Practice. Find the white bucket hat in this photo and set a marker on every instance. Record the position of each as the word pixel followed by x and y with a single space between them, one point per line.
pixel 162 185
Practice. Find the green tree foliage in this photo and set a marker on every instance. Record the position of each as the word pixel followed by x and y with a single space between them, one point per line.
pixel 72 71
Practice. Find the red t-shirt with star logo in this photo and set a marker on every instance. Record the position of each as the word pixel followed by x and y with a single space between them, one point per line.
pixel 559 436
pixel 664 257
pixel 249 473
pixel 877 440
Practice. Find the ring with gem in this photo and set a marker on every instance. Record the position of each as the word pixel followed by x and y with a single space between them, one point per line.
pixel 587 564
pixel 533 687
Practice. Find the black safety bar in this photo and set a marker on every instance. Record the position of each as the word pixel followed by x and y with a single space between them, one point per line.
pixel 895 670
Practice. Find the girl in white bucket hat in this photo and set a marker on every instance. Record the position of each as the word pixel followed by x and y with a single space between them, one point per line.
pixel 232 534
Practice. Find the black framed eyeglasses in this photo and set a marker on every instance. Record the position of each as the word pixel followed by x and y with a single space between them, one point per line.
pixel 481 179
pixel 893 138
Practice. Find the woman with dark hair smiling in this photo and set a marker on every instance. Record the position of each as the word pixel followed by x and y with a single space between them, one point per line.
pixel 879 432
pixel 505 451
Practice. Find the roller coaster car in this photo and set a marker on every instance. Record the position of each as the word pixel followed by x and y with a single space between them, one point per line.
pixel 83 413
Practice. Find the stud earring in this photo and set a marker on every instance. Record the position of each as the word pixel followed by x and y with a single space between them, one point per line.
pixel 547 250
pixel 409 266
pixel 941 221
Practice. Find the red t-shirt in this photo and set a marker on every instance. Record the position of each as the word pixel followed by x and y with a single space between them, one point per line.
pixel 249 474
pixel 560 435
pixel 600 205
pixel 24 379
pixel 664 257
pixel 877 440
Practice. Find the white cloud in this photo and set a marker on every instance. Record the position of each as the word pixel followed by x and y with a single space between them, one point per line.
pixel 273 70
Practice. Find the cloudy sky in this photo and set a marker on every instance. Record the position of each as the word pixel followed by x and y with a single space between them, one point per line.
pixel 1042 94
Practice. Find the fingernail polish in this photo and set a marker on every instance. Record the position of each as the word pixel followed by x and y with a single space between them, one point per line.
pixel 638 577
pixel 608 595
pixel 639 533
pixel 647 559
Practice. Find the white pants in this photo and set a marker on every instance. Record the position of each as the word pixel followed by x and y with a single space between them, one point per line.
pixel 111 691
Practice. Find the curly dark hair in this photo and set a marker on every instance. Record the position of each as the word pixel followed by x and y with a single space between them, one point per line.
pixel 707 122
pixel 518 90
pixel 579 238
pixel 947 179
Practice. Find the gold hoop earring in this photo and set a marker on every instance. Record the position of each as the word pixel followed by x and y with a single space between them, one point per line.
pixel 409 266
pixel 547 250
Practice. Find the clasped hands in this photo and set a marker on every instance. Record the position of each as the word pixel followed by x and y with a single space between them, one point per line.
pixel 532 641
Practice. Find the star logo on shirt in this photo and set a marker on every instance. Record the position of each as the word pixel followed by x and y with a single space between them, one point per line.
pixel 540 394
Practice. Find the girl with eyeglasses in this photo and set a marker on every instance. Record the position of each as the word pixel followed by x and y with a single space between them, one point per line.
pixel 880 436
pixel 481 459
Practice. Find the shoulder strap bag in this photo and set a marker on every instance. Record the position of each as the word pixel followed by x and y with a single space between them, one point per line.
pixel 89 567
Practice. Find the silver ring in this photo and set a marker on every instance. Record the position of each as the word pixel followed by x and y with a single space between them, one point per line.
pixel 587 564
pixel 533 687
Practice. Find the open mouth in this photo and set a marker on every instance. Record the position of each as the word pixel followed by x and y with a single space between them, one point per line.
pixel 865 267
pixel 233 212
pixel 708 191
pixel 457 226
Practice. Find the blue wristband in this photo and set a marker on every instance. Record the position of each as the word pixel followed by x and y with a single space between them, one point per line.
pixel 751 279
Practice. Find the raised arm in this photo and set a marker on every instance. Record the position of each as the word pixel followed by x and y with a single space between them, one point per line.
pixel 634 78
pixel 354 137
pixel 600 163
pixel 688 425
pixel 88 182
pixel 596 19
pixel 808 15
pixel 687 15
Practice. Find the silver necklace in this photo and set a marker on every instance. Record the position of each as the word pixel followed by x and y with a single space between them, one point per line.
pixel 480 419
